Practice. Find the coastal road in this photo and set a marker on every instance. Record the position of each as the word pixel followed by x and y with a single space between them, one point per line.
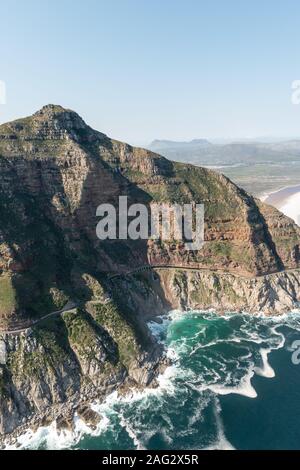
pixel 70 306
pixel 150 267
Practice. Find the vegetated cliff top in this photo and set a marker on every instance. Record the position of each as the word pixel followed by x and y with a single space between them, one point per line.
pixel 55 170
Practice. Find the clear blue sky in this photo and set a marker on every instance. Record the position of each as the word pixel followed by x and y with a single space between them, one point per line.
pixel 144 69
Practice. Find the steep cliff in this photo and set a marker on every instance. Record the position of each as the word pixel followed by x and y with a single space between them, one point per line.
pixel 55 171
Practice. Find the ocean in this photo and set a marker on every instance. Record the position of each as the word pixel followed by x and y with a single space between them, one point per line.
pixel 232 385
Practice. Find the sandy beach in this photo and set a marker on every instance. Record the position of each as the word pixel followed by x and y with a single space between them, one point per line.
pixel 287 200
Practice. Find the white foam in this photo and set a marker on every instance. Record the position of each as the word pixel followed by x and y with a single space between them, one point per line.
pixel 266 370
pixel 221 378
pixel 291 208
pixel 158 328
pixel 221 442
pixel 131 433
pixel 264 196
pixel 52 438
pixel 244 387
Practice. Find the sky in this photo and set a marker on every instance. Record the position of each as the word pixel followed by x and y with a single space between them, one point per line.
pixel 140 70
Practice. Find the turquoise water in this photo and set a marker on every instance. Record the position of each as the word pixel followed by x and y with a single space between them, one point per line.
pixel 232 385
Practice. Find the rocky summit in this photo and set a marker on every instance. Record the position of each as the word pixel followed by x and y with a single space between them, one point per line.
pixel 73 308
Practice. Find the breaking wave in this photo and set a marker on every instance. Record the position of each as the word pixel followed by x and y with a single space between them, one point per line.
pixel 213 357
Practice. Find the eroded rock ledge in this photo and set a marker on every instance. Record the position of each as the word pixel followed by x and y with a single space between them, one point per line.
pixel 47 371
pixel 162 289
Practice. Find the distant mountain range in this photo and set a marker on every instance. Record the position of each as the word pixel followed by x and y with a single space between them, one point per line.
pixel 171 144
pixel 203 152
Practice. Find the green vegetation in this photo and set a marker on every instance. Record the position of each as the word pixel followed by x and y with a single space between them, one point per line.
pixel 83 334
pixel 49 350
pixel 72 339
pixel 221 248
pixel 3 382
pixel 110 317
pixel 7 296
pixel 221 292
pixel 56 339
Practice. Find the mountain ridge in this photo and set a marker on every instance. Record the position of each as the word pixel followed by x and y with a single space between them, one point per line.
pixel 63 169
pixel 55 171
pixel 162 143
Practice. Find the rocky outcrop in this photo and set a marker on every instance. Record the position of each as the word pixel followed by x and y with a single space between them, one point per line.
pixel 90 417
pixel 156 291
pixel 271 294
pixel 68 359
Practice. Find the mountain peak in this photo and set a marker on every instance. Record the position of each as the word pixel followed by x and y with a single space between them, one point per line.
pixel 60 117
pixel 52 109
pixel 59 121
pixel 50 122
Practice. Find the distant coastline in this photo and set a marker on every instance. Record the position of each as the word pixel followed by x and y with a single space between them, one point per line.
pixel 287 200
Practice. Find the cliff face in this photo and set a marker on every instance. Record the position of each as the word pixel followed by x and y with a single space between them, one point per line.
pixel 55 171
pixel 182 289
pixel 48 370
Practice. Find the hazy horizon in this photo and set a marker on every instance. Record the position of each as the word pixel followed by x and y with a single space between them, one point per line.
pixel 227 140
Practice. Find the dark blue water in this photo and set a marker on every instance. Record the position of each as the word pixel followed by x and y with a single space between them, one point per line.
pixel 233 385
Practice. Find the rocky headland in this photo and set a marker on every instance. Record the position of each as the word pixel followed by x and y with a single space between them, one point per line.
pixel 55 171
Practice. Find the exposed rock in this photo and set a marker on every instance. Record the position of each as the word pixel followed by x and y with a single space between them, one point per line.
pixel 271 294
pixel 65 423
pixel 55 171
pixel 2 352
pixel 89 416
